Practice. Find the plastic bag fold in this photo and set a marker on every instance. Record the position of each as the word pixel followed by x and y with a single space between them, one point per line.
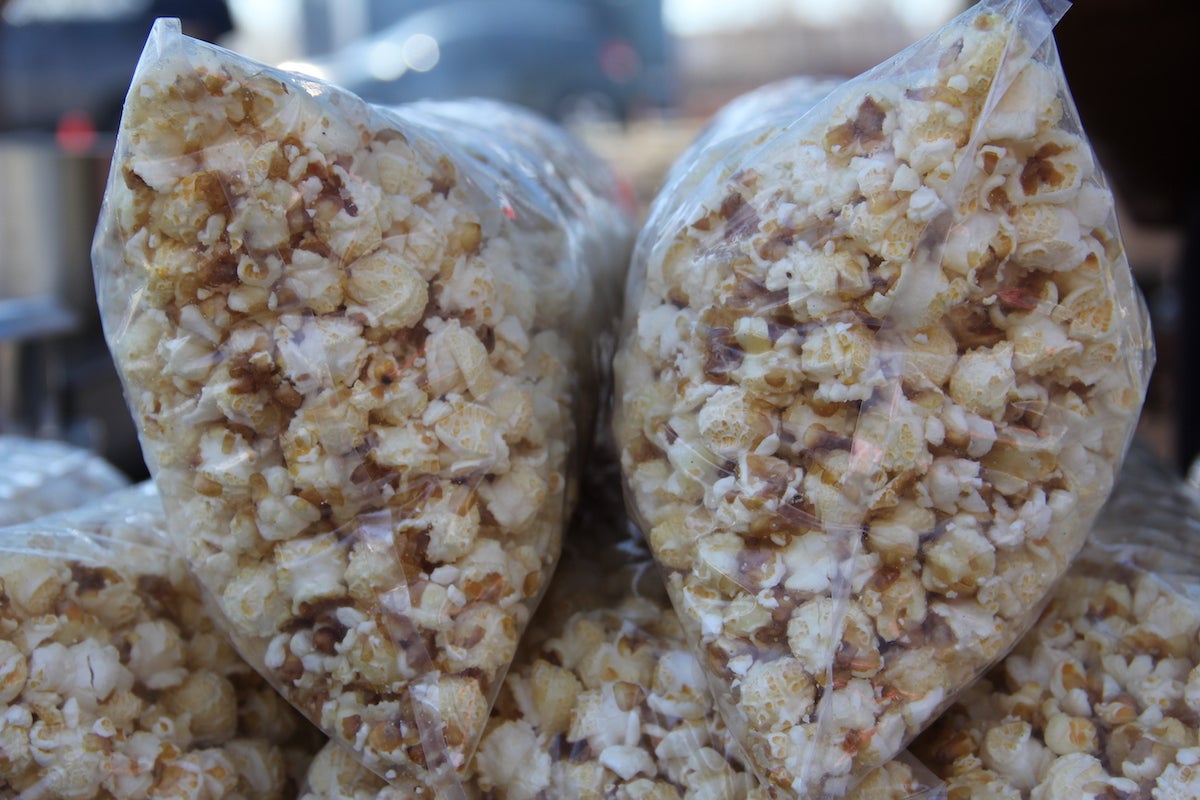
pixel 878 367
pixel 357 344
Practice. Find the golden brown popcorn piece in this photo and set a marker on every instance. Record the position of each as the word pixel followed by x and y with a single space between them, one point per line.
pixel 892 345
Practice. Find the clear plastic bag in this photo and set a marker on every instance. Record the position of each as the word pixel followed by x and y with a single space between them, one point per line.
pixel 606 698
pixel 878 367
pixel 746 121
pixel 42 476
pixel 1102 697
pixel 357 344
pixel 114 682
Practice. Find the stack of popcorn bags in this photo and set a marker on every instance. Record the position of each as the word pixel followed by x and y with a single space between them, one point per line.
pixel 878 365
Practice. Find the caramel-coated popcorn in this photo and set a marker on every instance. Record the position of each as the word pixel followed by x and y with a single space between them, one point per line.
pixel 113 682
pixel 354 341
pixel 879 366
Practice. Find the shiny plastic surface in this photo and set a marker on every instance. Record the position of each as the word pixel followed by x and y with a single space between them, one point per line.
pixel 42 476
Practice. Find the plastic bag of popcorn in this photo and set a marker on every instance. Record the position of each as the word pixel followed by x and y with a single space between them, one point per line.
pixel 42 476
pixel 606 698
pixel 1102 697
pixel 879 365
pixel 357 343
pixel 114 681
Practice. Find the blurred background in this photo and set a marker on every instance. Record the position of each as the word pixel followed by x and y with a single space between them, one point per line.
pixel 636 79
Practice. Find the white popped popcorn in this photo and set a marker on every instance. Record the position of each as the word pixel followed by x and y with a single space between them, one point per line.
pixel 892 341
pixel 1093 702
pixel 358 344
pixel 149 703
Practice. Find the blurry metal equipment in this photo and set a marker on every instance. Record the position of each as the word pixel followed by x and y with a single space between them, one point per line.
pixel 40 232
pixel 56 376
pixel 49 202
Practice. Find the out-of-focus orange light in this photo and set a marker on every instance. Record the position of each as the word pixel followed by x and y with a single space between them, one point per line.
pixel 76 134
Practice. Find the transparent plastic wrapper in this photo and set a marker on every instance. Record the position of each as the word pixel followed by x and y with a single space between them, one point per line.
pixel 605 699
pixel 357 344
pixel 1101 698
pixel 745 121
pixel 878 366
pixel 42 476
pixel 114 681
